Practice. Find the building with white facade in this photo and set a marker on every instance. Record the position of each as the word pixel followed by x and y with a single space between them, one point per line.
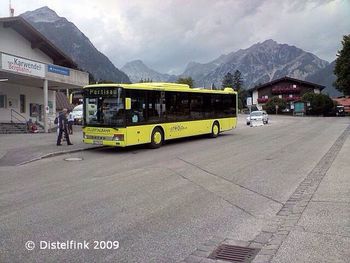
pixel 32 69
pixel 286 88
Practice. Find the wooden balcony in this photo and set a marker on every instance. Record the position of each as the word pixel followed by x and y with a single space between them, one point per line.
pixel 285 90
pixel 262 100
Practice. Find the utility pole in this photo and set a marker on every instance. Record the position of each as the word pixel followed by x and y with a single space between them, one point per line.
pixel 11 10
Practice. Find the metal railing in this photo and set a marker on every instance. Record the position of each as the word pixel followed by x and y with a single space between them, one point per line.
pixel 16 116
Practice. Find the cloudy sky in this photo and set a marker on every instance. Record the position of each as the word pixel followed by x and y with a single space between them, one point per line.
pixel 167 34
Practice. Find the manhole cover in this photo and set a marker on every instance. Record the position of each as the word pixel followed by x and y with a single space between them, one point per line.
pixel 234 253
pixel 72 159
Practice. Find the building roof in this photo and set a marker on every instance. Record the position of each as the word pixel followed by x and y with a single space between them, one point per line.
pixel 343 101
pixel 286 78
pixel 37 40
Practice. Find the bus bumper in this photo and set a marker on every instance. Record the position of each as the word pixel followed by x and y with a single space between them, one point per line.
pixel 105 142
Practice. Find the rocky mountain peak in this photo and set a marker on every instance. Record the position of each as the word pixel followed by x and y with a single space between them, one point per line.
pixel 137 70
pixel 135 63
pixel 67 37
pixel 191 64
pixel 269 42
pixel 43 14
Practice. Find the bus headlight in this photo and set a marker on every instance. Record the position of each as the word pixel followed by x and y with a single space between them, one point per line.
pixel 118 137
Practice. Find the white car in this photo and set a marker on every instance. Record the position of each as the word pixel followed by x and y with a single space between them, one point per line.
pixel 78 114
pixel 259 115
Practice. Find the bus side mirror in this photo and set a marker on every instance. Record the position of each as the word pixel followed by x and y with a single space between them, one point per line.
pixel 127 103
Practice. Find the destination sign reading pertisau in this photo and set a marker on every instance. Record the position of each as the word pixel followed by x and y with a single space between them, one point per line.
pixel 102 92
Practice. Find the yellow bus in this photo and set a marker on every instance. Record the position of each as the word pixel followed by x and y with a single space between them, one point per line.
pixel 151 113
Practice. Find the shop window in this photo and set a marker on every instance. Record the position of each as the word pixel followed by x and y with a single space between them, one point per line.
pixel 34 110
pixel 3 101
pixel 22 103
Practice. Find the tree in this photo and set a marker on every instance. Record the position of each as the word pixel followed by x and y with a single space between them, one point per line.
pixel 189 81
pixel 342 67
pixel 148 80
pixel 104 81
pixel 91 78
pixel 237 80
pixel 227 81
pixel 238 86
pixel 319 103
pixel 242 98
pixel 270 105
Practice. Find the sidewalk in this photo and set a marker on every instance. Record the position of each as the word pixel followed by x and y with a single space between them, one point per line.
pixel 16 149
pixel 322 233
pixel 314 223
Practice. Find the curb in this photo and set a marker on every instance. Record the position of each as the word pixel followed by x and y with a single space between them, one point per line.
pixel 48 155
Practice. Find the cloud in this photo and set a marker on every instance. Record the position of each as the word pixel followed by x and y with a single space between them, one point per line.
pixel 168 34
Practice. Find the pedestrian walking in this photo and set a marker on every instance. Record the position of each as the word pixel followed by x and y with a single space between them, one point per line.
pixel 63 128
pixel 70 122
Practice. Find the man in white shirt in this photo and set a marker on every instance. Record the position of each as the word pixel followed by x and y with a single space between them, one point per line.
pixel 70 122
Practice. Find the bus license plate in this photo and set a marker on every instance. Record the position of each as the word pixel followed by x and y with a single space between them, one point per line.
pixel 97 142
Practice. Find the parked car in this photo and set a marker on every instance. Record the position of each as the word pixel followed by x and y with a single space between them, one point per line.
pixel 78 114
pixel 340 111
pixel 259 115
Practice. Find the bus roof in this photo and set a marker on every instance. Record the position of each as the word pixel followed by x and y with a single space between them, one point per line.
pixel 162 86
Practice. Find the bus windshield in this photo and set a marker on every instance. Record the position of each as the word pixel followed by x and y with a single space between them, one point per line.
pixel 104 110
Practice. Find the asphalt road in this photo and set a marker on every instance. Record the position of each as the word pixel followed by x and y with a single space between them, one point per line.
pixel 159 204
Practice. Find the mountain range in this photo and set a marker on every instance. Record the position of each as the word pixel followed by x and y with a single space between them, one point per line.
pixel 260 63
pixel 58 30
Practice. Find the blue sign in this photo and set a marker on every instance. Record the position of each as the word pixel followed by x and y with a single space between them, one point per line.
pixel 58 70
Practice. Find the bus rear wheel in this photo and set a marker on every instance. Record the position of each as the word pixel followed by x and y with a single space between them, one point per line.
pixel 215 130
pixel 156 138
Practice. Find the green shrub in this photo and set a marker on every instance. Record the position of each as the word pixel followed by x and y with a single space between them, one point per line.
pixel 270 105
pixel 320 104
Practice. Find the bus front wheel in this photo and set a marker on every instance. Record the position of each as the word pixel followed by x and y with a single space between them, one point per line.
pixel 215 130
pixel 156 138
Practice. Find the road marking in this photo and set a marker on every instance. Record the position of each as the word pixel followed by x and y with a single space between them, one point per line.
pixel 225 179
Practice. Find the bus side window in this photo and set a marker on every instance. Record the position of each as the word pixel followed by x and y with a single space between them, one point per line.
pixel 170 111
pixel 153 109
pixel 136 114
pixel 208 109
pixel 229 105
pixel 196 106
pixel 216 102
pixel 177 106
pixel 183 106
